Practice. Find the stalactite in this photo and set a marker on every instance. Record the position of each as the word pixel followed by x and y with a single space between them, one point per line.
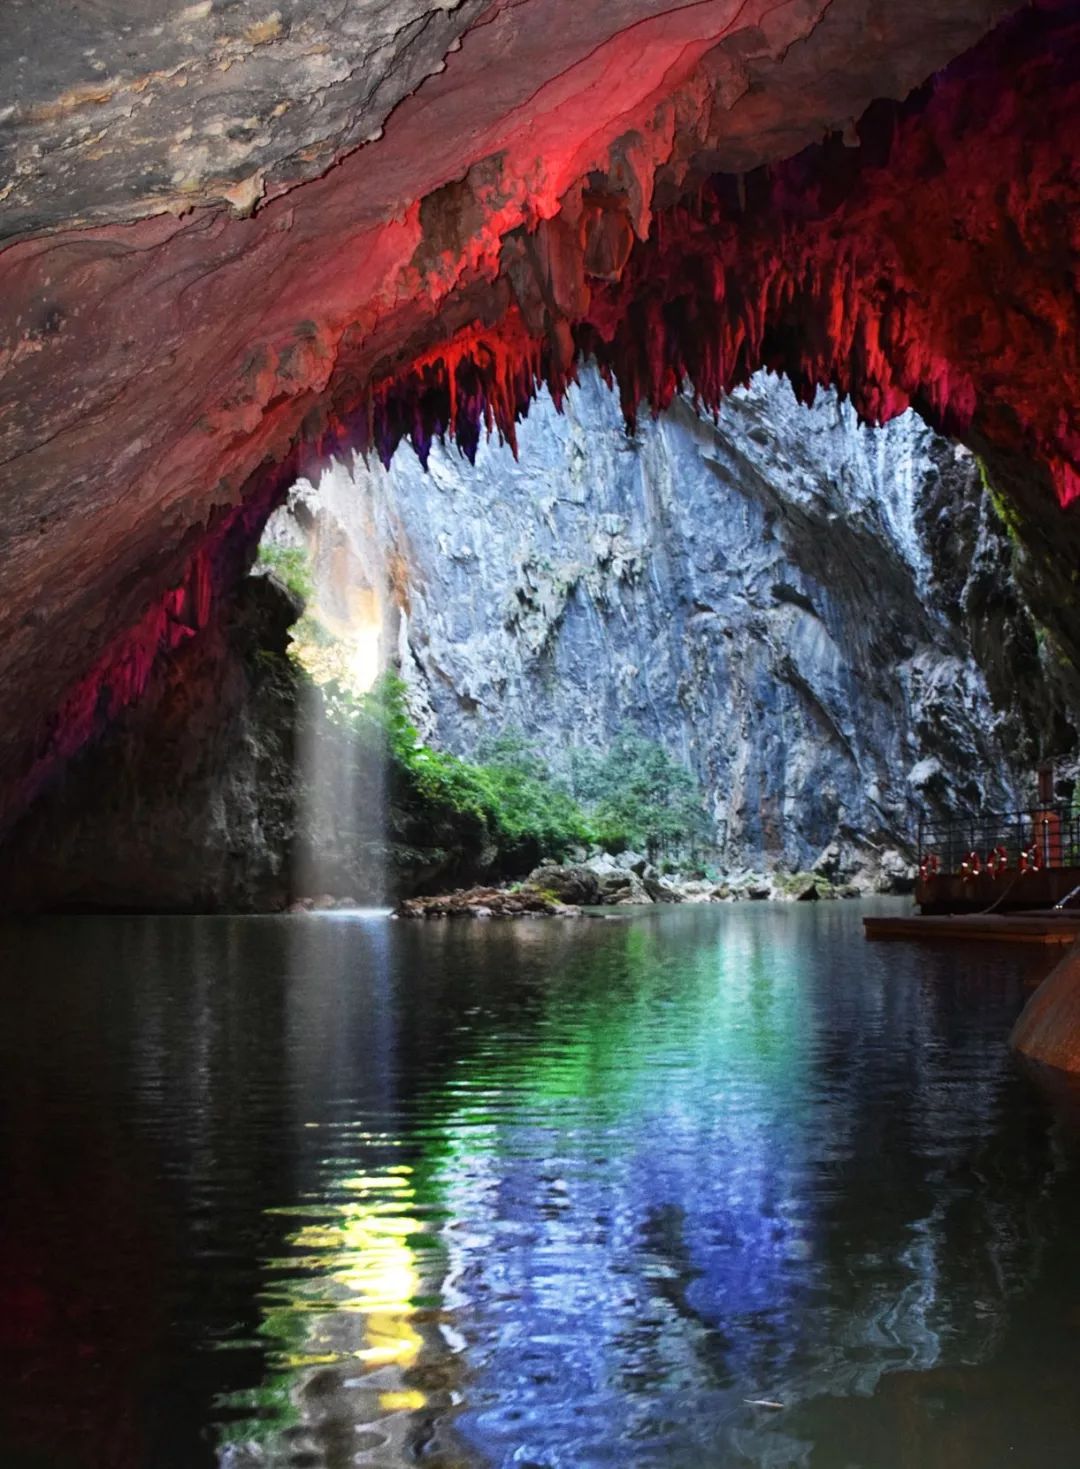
pixel 884 270
pixel 935 264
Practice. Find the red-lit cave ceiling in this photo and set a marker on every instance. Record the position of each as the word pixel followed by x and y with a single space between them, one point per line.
pixel 257 241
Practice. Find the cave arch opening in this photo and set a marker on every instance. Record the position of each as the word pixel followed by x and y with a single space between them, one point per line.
pixel 821 623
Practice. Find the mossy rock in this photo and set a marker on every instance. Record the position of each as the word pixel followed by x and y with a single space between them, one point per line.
pixel 805 887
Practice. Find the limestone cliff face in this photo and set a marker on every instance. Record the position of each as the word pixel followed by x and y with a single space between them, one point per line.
pixel 781 599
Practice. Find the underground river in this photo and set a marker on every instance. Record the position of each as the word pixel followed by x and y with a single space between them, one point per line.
pixel 715 1187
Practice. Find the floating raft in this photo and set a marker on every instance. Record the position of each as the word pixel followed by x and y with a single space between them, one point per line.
pixel 1043 927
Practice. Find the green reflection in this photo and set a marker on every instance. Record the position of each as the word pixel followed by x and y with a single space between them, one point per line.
pixel 642 1026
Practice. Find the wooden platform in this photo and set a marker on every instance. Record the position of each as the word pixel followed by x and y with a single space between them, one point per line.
pixel 1039 927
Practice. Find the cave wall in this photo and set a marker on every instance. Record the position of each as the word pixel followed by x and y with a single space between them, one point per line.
pixel 236 308
pixel 793 605
pixel 227 789
pixel 188 803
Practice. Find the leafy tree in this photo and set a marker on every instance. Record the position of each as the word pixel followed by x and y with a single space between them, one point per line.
pixel 639 796
pixel 511 796
pixel 290 565
pixel 530 803
pixel 634 795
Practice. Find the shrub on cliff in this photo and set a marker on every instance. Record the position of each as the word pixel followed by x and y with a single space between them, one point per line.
pixel 509 801
pixel 290 565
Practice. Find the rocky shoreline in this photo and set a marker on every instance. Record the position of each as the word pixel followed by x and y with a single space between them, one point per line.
pixel 564 890
pixel 481 902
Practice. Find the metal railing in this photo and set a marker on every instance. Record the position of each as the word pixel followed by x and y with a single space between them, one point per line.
pixel 1001 842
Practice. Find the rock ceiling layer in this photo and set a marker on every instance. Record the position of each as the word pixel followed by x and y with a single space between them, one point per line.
pixel 234 238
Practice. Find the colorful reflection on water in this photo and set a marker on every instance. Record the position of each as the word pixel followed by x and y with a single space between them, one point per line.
pixel 724 1188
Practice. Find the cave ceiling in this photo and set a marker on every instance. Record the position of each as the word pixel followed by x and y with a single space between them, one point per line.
pixel 236 239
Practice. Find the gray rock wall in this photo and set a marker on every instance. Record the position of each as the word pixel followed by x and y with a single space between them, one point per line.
pixel 778 598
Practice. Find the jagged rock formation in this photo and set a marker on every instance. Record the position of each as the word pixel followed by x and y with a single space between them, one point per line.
pixel 167 370
pixel 792 605
pixel 789 603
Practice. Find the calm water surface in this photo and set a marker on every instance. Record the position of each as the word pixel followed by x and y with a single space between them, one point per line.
pixel 343 1191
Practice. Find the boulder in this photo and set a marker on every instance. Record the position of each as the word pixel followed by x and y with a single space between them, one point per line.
pixel 896 873
pixel 621 888
pixel 828 861
pixel 660 890
pixel 745 884
pixel 573 883
pixel 695 890
pixel 802 888
pixel 617 882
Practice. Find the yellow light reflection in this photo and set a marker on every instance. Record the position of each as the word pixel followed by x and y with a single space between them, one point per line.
pixel 366 1266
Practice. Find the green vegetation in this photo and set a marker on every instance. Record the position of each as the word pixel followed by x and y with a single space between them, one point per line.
pixel 309 632
pixel 1003 508
pixel 510 801
pixel 636 795
pixel 795 884
pixel 290 565
pixel 639 797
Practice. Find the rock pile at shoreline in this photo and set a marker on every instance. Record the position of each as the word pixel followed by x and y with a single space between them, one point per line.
pixel 562 890
pixel 481 902
pixel 631 880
